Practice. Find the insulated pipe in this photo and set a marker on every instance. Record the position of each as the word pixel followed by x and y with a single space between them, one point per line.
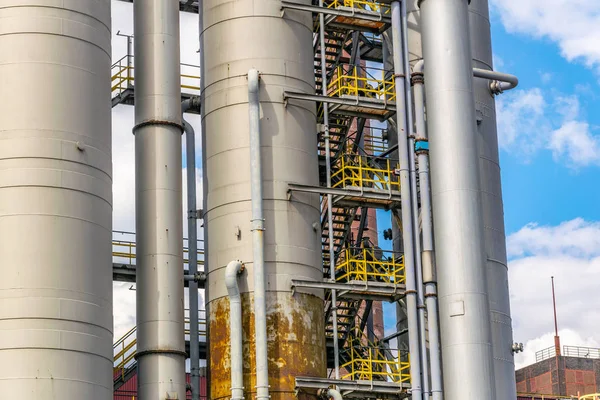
pixel 258 238
pixel 190 147
pixel 336 346
pixel 428 259
pixel 407 219
pixel 159 295
pixel 415 205
pixel 234 268
pixel 331 394
pixel 499 81
pixel 457 208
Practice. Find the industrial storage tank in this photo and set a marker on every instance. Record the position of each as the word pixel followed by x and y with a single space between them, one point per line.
pixel 55 200
pixel 237 36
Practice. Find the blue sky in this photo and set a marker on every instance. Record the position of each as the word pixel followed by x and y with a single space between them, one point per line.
pixel 550 159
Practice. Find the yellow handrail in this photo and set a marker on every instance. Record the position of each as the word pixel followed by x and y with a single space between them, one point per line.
pixel 361 5
pixel 368 361
pixel 361 82
pixel 124 253
pixel 370 265
pixel 595 396
pixel 123 77
pixel 124 349
pixel 354 171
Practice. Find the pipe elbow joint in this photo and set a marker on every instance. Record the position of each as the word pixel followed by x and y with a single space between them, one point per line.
pixel 233 269
pixel 253 78
pixel 331 394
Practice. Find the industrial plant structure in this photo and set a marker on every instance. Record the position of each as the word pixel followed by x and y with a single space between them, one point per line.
pixel 314 114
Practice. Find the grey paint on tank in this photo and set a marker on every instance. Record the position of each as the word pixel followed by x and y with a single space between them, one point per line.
pixel 55 200
pixel 493 210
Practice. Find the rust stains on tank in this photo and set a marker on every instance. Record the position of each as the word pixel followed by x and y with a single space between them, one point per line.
pixel 296 344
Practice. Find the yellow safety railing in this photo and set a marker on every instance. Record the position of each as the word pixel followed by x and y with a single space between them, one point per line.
pixel 369 362
pixel 356 81
pixel 124 252
pixel 370 265
pixel 362 172
pixel 123 76
pixel 124 352
pixel 124 349
pixel 361 5
pixel 595 396
pixel 375 140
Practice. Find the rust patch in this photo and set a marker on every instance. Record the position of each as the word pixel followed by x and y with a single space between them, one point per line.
pixel 296 344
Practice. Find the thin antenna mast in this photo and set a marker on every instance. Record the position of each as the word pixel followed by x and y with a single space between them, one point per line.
pixel 556 337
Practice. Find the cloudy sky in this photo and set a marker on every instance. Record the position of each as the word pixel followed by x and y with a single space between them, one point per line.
pixel 550 155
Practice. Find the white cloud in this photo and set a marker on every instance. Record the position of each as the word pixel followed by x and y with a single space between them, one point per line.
pixel 574 142
pixel 535 119
pixel 573 24
pixel 545 77
pixel 570 252
pixel 521 122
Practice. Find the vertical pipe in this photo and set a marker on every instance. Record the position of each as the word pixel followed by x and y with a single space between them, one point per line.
pixel 159 295
pixel 235 329
pixel 190 148
pixel 56 326
pixel 415 204
pixel 457 209
pixel 494 235
pixel 428 259
pixel 336 356
pixel 258 238
pixel 407 219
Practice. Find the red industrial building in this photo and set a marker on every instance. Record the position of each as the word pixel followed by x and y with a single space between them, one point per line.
pixel 574 372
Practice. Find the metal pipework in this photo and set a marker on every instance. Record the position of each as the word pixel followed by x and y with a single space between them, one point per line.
pixel 457 208
pixel 407 218
pixel 415 205
pixel 500 82
pixel 258 239
pixel 336 346
pixel 234 268
pixel 56 309
pixel 491 196
pixel 159 295
pixel 192 215
pixel 331 394
pixel 427 255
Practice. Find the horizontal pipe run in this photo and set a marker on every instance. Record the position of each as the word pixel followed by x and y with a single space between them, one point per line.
pixel 500 82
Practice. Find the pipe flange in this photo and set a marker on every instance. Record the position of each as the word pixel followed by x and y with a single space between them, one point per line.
pixel 417 78
pixel 157 122
pixel 166 351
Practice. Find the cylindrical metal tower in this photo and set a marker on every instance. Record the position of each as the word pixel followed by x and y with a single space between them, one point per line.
pixel 493 210
pixel 55 200
pixel 457 206
pixel 159 225
pixel 238 36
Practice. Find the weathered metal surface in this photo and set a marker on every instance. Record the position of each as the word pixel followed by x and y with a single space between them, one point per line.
pixel 296 344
